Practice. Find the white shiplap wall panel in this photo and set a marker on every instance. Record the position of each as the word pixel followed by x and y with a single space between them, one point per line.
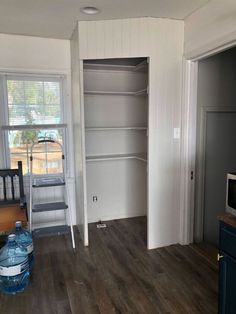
pixel 77 84
pixel 162 41
pixel 114 38
pixel 117 37
pixel 127 190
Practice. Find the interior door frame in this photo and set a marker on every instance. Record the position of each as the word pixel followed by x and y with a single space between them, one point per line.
pixel 188 140
pixel 188 150
pixel 84 177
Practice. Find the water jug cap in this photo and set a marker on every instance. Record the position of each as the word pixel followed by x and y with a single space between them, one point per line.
pixel 11 237
pixel 18 223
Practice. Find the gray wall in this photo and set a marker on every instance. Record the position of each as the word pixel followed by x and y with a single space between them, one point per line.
pixel 216 87
pixel 217 79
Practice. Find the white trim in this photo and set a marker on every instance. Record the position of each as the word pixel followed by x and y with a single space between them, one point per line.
pixel 212 48
pixel 5 147
pixel 149 246
pixel 34 77
pixel 82 124
pixel 188 151
pixel 3 162
pixel 31 71
pixel 34 126
pixel 133 213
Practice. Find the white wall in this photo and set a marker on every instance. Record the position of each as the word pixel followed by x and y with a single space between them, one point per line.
pixel 78 136
pixel 162 41
pixel 210 27
pixel 29 53
pixel 25 54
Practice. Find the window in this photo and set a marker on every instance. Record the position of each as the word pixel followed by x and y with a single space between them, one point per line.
pixel 33 108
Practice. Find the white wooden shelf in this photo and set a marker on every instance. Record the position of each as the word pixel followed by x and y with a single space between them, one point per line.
pixel 107 67
pixel 141 157
pixel 141 67
pixel 141 92
pixel 135 128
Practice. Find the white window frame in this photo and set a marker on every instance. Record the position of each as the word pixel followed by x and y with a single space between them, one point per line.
pixel 4 118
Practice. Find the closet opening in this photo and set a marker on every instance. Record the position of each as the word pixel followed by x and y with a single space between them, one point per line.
pixel 116 142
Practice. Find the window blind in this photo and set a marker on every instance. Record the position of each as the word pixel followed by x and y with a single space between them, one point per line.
pixel 32 101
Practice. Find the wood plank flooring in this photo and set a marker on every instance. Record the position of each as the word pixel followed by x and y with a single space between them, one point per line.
pixel 207 251
pixel 116 274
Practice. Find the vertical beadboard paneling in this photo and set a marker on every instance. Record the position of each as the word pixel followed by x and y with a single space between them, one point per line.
pixel 81 34
pixel 162 41
pixel 76 73
pixel 144 43
pixel 108 51
pixel 116 43
pixel 127 38
pixel 96 30
pixel 115 38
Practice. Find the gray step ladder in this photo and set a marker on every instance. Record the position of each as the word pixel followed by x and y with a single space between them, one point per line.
pixel 49 181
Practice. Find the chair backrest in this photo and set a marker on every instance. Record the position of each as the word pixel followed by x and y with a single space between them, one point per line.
pixel 11 182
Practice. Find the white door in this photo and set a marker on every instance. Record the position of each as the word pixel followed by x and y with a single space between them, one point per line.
pixel 220 158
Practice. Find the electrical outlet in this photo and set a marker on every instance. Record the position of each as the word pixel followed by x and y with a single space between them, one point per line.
pixel 95 198
pixel 176 133
pixel 101 225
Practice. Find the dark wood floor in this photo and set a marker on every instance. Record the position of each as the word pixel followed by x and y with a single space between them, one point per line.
pixel 116 274
pixel 208 252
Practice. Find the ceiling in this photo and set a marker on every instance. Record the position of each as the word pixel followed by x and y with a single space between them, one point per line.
pixel 57 18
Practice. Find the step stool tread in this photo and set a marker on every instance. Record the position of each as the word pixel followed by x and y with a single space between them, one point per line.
pixel 51 231
pixel 47 182
pixel 49 206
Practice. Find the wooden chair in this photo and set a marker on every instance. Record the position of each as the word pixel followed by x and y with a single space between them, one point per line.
pixel 12 200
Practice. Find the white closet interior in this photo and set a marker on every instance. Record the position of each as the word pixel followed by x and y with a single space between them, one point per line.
pixel 116 130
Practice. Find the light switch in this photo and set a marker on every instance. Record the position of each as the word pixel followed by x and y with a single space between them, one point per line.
pixel 176 133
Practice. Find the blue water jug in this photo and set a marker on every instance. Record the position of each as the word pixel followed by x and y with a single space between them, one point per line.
pixel 14 267
pixel 24 238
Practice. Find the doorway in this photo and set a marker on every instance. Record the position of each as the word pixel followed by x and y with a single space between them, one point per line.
pixel 215 142
pixel 116 143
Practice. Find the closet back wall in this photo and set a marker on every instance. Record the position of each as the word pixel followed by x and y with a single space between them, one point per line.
pixel 162 41
pixel 116 132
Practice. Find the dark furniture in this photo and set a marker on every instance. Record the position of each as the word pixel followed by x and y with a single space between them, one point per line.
pixel 12 200
pixel 227 264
